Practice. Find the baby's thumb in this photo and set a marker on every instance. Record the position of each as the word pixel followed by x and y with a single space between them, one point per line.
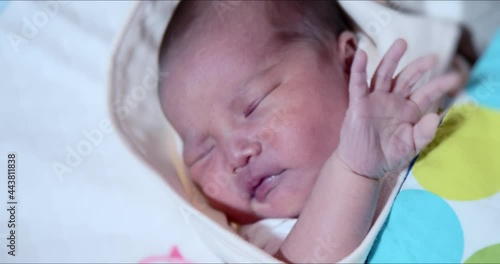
pixel 424 130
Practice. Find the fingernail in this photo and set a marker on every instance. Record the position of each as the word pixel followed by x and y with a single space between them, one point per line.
pixel 403 42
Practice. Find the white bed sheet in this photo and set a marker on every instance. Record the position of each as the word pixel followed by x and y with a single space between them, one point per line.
pixel 54 90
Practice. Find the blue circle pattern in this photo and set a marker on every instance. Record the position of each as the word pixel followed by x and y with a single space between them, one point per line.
pixel 484 82
pixel 3 4
pixel 422 228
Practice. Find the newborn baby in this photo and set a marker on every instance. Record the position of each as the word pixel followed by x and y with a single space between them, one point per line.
pixel 271 98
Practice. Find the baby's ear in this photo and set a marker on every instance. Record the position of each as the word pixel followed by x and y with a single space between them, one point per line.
pixel 346 48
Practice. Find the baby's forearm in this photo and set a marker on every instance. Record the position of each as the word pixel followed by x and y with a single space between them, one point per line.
pixel 336 218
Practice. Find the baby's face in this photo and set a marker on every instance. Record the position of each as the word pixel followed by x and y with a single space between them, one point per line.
pixel 257 121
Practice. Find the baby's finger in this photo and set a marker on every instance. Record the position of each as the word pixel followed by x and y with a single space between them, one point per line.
pixel 357 82
pixel 434 90
pixel 462 68
pixel 382 79
pixel 412 73
pixel 424 130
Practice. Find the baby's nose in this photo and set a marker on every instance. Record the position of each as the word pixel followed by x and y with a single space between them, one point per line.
pixel 241 152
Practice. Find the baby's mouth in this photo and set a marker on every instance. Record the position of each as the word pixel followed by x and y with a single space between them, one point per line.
pixel 265 185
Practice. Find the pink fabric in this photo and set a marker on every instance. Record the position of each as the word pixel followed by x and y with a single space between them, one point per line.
pixel 174 256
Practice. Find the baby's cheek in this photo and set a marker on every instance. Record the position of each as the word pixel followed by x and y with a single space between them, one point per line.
pixel 278 120
pixel 293 199
pixel 215 181
pixel 314 141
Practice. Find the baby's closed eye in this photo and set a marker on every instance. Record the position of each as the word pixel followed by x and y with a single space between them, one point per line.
pixel 205 153
pixel 193 153
pixel 256 102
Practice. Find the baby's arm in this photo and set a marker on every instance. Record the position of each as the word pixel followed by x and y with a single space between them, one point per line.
pixel 384 128
pixel 337 217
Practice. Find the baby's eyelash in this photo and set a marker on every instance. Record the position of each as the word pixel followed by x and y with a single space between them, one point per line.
pixel 252 107
pixel 256 103
pixel 204 154
pixel 192 162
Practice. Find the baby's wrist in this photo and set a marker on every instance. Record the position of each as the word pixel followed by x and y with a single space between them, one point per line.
pixel 348 169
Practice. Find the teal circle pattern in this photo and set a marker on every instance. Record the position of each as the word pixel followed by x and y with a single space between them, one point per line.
pixel 3 4
pixel 421 228
pixel 484 82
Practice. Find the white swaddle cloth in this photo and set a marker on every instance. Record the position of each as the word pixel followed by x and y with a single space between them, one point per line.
pixel 137 115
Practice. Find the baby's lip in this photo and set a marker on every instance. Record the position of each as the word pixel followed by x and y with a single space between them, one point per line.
pixel 257 180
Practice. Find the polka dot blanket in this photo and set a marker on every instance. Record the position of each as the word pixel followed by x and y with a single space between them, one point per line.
pixel 448 209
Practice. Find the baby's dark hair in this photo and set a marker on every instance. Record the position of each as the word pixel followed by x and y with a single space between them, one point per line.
pixel 314 21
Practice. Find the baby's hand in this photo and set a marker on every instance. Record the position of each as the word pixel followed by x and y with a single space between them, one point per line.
pixel 386 124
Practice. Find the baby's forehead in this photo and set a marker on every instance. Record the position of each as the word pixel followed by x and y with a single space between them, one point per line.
pixel 215 69
pixel 211 68
pixel 218 82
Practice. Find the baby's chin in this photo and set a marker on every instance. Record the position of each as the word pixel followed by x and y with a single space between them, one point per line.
pixel 279 204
